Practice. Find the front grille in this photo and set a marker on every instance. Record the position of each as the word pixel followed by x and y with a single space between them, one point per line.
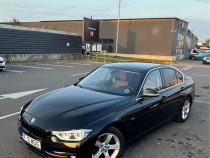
pixel 37 131
pixel 1 61
pixel 2 66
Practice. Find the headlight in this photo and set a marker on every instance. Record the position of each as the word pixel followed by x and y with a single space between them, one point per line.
pixel 73 135
pixel 204 58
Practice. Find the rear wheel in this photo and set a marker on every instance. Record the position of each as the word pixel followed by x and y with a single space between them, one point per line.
pixel 184 111
pixel 110 144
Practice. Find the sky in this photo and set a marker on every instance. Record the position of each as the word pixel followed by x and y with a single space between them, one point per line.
pixel 196 12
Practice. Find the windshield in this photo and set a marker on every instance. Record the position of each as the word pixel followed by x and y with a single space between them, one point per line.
pixel 113 81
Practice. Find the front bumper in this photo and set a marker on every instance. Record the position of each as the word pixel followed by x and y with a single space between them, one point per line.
pixel 52 147
pixel 47 154
pixel 207 61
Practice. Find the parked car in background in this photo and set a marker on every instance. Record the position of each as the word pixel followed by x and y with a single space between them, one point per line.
pixel 194 51
pixel 114 104
pixel 2 64
pixel 198 56
pixel 206 59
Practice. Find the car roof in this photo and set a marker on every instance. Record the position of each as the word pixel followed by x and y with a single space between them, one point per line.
pixel 205 52
pixel 135 66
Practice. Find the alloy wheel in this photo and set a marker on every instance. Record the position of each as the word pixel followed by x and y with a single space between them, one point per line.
pixel 186 109
pixel 107 146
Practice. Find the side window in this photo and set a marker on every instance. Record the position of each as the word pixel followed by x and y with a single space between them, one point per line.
pixel 169 77
pixel 179 77
pixel 153 81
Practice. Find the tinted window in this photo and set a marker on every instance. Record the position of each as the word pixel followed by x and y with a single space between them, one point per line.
pixel 169 77
pixel 179 77
pixel 153 81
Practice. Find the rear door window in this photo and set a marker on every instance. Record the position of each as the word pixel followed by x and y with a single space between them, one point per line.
pixel 179 77
pixel 169 77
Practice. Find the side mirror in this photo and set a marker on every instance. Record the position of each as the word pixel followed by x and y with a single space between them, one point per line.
pixel 149 92
pixel 81 78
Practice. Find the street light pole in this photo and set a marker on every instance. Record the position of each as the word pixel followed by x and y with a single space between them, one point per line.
pixel 118 23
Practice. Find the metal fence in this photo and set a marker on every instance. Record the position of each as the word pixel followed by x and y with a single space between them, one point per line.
pixel 26 41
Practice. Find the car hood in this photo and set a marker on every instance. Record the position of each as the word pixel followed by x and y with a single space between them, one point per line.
pixel 73 107
pixel 1 59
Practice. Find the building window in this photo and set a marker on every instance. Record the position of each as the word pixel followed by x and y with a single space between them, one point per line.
pixel 111 41
pixel 105 41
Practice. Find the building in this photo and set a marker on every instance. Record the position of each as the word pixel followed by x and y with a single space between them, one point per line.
pixel 19 43
pixel 153 38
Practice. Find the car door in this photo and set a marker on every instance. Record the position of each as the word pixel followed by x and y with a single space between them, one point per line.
pixel 173 85
pixel 150 110
pixel 201 56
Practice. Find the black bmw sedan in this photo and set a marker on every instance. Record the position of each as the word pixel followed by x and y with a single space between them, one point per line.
pixel 112 105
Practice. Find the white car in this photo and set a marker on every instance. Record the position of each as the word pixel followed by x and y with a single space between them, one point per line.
pixel 2 64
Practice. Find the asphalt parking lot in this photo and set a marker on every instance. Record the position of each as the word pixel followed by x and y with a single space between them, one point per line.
pixel 23 82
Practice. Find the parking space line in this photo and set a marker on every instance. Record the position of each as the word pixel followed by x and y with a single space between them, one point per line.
pixel 186 68
pixel 14 71
pixel 80 74
pixel 34 67
pixel 73 63
pixel 200 75
pixel 56 65
pixel 3 117
pixel 20 94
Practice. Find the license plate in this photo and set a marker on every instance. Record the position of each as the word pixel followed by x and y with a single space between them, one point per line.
pixel 32 141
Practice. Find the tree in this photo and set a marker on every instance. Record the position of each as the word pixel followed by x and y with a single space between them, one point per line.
pixel 207 43
pixel 15 22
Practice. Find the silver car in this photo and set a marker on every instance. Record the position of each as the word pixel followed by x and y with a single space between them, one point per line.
pixel 2 64
pixel 206 59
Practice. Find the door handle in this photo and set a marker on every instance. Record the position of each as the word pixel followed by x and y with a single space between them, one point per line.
pixel 182 88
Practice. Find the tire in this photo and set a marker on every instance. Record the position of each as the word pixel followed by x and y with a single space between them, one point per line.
pixel 110 143
pixel 184 110
pixel 193 58
pixel 1 70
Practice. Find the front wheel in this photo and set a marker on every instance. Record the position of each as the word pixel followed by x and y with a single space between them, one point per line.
pixel 184 111
pixel 193 58
pixel 110 144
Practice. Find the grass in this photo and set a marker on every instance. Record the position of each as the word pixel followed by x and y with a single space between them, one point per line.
pixel 112 59
pixel 100 58
pixel 141 59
